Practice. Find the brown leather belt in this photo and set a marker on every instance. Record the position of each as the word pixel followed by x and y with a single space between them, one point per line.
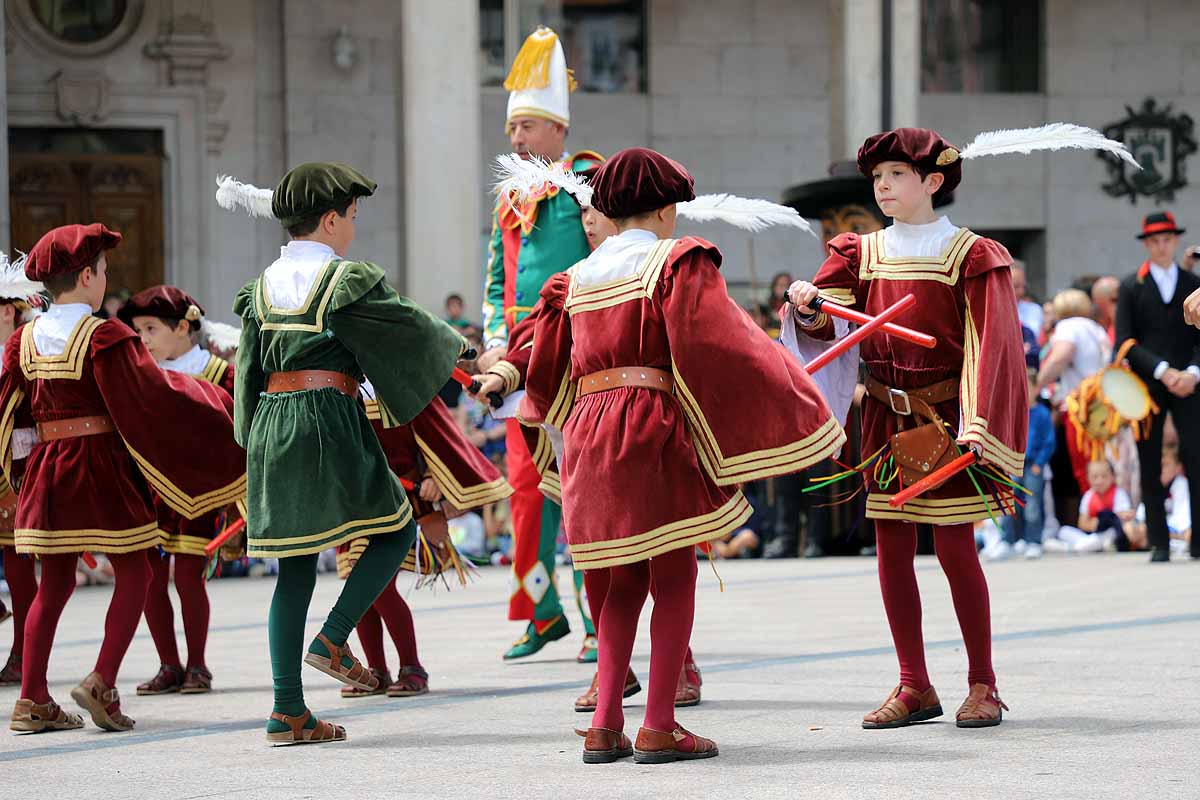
pixel 302 379
pixel 904 401
pixel 638 377
pixel 75 426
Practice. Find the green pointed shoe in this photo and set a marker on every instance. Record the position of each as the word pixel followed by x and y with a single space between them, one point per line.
pixel 532 641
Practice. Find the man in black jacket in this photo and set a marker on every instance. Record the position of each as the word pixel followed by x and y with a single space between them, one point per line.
pixel 1167 357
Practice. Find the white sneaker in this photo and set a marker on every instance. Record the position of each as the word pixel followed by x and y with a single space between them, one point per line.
pixel 1092 544
pixel 1054 545
pixel 1000 551
pixel 1019 547
pixel 1033 552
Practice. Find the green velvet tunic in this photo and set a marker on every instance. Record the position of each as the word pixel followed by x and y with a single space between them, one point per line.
pixel 316 474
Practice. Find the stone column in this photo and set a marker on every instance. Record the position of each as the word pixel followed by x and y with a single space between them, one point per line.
pixel 440 169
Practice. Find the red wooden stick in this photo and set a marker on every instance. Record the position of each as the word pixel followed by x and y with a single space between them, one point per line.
pixel 224 536
pixel 472 386
pixel 867 328
pixel 934 480
pixel 891 329
pixel 88 559
pixel 407 484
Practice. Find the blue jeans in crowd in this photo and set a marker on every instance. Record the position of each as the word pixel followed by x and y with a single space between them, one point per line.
pixel 1027 523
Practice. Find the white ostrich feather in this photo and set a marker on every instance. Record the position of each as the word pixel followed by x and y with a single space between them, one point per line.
pixel 13 283
pixel 518 178
pixel 747 213
pixel 1055 136
pixel 232 194
pixel 220 335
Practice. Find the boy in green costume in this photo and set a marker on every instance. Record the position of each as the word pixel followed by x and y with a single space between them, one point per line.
pixel 313 324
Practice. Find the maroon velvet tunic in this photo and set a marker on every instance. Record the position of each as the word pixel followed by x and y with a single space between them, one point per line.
pixel 644 471
pixel 431 445
pixel 189 536
pixel 94 492
pixel 965 299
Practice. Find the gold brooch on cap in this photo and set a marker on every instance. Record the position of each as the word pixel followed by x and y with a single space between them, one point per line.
pixel 193 313
pixel 947 157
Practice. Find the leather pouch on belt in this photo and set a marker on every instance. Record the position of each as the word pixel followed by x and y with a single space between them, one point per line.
pixel 922 450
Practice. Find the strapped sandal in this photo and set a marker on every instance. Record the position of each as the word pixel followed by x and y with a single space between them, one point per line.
pixel 660 747
pixel 321 733
pixel 904 706
pixel 11 674
pixel 198 681
pixel 586 702
pixel 983 708
pixel 604 746
pixel 167 680
pixel 410 682
pixel 102 703
pixel 382 675
pixel 687 690
pixel 356 675
pixel 31 717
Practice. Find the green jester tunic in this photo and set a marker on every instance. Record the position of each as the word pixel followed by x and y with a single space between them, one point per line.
pixel 316 474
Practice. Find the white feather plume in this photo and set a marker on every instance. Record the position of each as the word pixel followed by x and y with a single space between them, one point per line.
pixel 220 335
pixel 13 283
pixel 232 194
pixel 747 213
pixel 517 179
pixel 1055 136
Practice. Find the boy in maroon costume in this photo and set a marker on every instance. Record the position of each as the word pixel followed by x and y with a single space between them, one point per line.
pixel 103 408
pixel 168 320
pixel 432 453
pixel 973 382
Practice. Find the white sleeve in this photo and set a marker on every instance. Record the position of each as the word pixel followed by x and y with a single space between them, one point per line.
pixel 1121 502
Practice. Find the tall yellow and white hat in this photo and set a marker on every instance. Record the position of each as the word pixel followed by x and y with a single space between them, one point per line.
pixel 539 83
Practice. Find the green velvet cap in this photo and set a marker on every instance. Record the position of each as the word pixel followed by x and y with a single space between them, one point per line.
pixel 316 187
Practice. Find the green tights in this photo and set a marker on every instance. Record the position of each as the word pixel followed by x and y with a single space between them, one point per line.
pixel 289 610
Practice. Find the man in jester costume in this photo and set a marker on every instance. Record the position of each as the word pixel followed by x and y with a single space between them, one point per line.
pixel 530 242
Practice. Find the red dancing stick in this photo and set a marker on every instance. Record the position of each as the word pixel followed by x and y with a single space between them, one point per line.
pixel 89 560
pixel 850 315
pixel 472 386
pixel 407 484
pixel 224 536
pixel 934 480
pixel 867 328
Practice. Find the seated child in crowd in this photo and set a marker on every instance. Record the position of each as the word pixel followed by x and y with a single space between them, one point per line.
pixel 1104 512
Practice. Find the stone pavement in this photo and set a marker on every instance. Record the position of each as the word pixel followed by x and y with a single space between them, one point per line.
pixel 1097 656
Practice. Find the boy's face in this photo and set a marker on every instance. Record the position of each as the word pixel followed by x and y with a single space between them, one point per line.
pixel 161 339
pixel 1100 477
pixel 597 227
pixel 454 308
pixel 901 192
pixel 341 229
pixel 1162 247
pixel 94 282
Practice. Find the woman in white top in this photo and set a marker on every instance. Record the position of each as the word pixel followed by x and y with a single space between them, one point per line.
pixel 1079 347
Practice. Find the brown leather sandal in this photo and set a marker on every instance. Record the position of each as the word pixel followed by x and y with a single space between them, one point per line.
pixel 167 680
pixel 687 691
pixel 321 733
pixel 410 681
pixel 983 708
pixel 356 675
pixel 382 675
pixel 604 746
pixel 11 674
pixel 660 747
pixel 904 706
pixel 586 702
pixel 31 717
pixel 198 681
pixel 103 703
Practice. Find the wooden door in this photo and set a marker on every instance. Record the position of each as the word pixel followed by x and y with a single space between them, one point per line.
pixel 122 191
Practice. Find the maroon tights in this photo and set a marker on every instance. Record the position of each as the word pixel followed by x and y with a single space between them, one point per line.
pixel 193 604
pixel 55 589
pixel 618 594
pixel 955 546
pixel 391 610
